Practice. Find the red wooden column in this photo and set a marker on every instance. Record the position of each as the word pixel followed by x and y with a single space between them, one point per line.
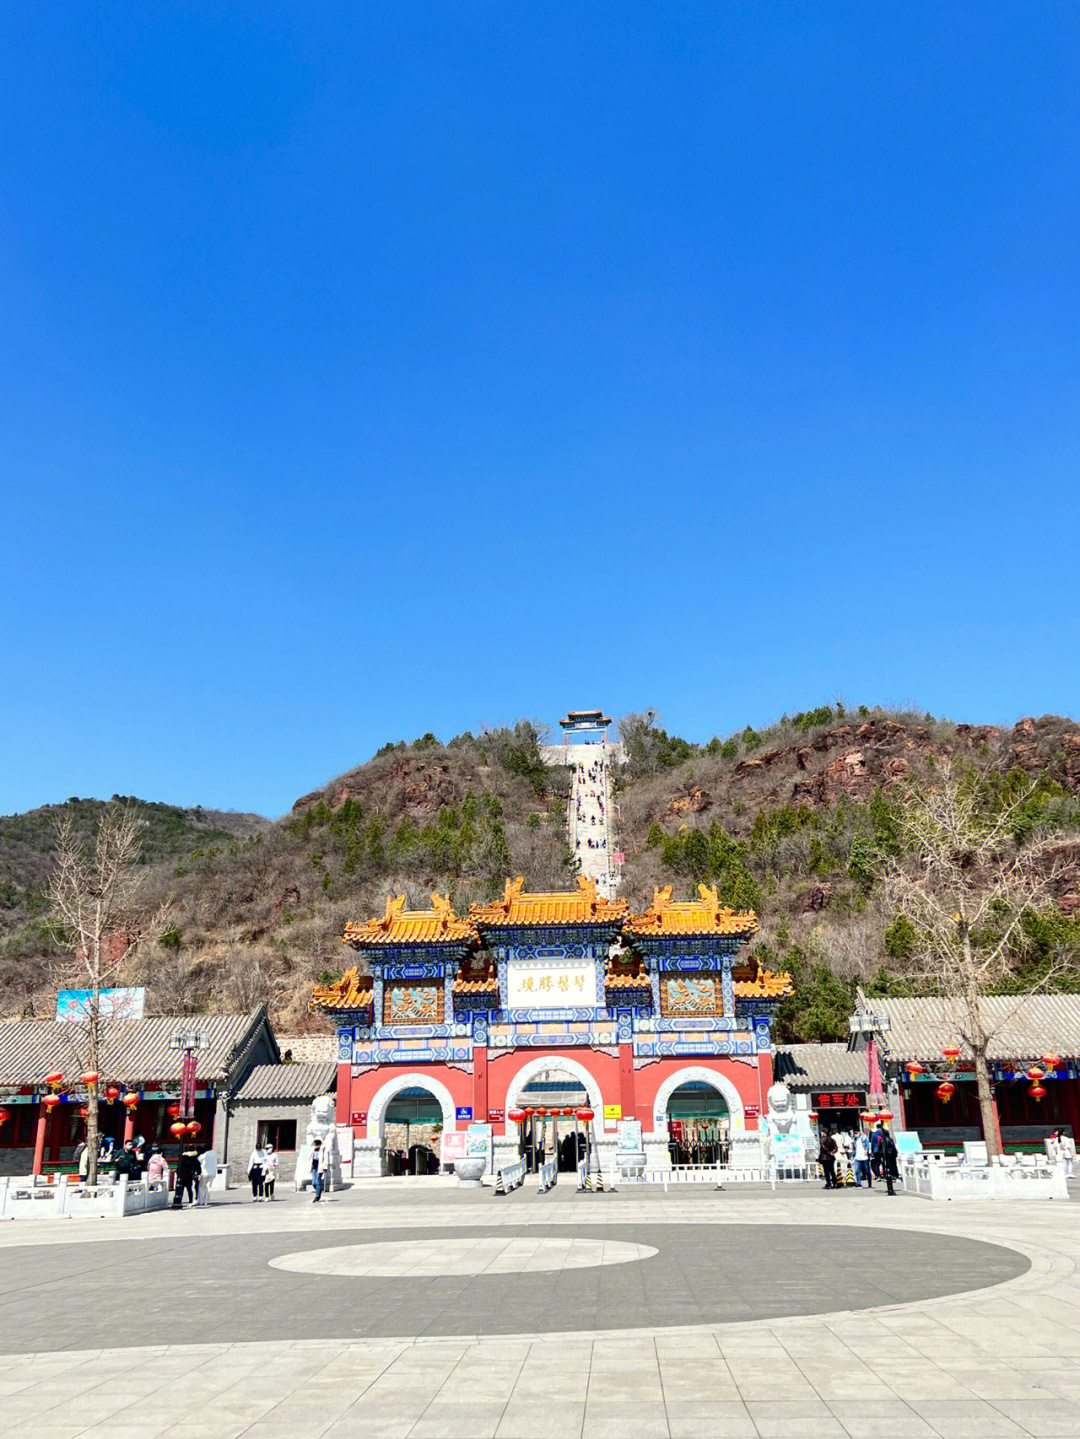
pixel 480 1084
pixel 627 1085
pixel 39 1139
pixel 129 1125
pixel 343 1096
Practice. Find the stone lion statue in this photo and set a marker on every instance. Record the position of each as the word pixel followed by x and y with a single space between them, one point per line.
pixel 781 1114
pixel 320 1126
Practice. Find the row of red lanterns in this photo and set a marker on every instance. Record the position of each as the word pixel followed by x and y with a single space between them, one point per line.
pixel 951 1052
pixel 519 1116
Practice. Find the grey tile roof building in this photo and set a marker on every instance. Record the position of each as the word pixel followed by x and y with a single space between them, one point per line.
pixel 287 1081
pixel 136 1051
pixel 1025 1027
pixel 820 1066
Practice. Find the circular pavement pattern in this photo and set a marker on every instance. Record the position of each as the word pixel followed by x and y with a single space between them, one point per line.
pixel 196 1289
pixel 462 1254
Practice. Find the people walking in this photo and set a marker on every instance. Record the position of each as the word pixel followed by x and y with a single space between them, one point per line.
pixel 270 1169
pixel 208 1168
pixel 861 1153
pixel 320 1164
pixel 827 1158
pixel 255 1173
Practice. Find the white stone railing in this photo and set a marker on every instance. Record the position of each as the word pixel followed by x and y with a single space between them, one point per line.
pixel 548 1175
pixel 33 1197
pixel 933 1176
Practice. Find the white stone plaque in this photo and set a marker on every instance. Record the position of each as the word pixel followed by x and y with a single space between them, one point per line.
pixel 551 984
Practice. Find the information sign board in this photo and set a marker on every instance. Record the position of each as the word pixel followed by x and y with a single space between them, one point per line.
pixel 73 1005
pixel 788 1151
pixel 453 1146
pixel 358 1116
pixel 463 1113
pixel 628 1140
pixel 612 1111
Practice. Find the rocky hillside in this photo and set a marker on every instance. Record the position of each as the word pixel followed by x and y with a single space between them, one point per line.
pixel 790 821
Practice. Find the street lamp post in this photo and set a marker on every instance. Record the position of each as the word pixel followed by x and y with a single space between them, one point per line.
pixel 868 1025
pixel 191 1041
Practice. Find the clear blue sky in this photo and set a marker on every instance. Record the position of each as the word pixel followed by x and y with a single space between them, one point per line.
pixel 370 369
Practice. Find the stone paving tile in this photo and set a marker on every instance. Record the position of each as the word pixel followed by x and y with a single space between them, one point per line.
pixel 1044 1417
pixel 967 1419
pixel 644 1420
pixel 693 1419
pixel 780 1419
pixel 476 1419
pixel 892 1418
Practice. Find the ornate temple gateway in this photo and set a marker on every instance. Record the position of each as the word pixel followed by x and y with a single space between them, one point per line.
pixel 652 1017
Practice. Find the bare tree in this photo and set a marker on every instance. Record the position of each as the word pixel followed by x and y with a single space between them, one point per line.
pixel 93 888
pixel 964 884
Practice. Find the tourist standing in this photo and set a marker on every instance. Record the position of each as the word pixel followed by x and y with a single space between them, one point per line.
pixel 187 1178
pixel 1067 1150
pixel 157 1170
pixel 255 1173
pixel 827 1158
pixel 270 1168
pixel 208 1167
pixel 890 1167
pixel 861 1153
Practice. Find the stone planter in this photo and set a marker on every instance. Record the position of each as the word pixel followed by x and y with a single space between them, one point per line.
pixel 469 1170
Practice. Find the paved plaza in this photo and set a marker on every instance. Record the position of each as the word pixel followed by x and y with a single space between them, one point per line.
pixel 411 1308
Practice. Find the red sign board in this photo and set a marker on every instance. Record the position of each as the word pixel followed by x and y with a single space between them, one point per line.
pixel 752 1111
pixel 497 1116
pixel 359 1116
pixel 838 1099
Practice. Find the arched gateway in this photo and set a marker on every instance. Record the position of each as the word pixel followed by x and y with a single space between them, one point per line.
pixel 631 1007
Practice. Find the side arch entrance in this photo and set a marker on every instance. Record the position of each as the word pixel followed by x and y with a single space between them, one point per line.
pixel 408 1115
pixel 694 1112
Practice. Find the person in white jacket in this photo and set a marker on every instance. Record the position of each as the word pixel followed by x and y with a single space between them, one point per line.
pixel 270 1169
pixel 208 1168
pixel 320 1167
pixel 255 1173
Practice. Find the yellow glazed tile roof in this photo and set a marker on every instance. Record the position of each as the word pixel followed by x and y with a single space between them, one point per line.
pixel 475 986
pixel 351 991
pixel 702 916
pixel 626 981
pixel 580 906
pixel 437 925
pixel 766 986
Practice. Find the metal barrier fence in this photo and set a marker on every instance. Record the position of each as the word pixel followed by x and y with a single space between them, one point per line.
pixel 548 1174
pixel 510 1176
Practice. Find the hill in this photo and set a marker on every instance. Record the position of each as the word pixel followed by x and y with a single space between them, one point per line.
pixel 788 820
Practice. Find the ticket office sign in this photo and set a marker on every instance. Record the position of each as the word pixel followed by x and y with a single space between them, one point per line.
pixel 551 984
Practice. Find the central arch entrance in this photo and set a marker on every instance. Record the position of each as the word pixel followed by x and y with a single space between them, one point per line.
pixel 698 1125
pixel 549 1094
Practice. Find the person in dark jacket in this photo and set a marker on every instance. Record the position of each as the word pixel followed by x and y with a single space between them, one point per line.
pixel 187 1177
pixel 887 1156
pixel 827 1159
pixel 125 1163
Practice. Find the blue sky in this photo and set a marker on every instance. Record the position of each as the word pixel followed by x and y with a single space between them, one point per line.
pixel 366 370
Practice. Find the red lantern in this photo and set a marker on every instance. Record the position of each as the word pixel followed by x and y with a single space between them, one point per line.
pixel 528 1113
pixel 1035 1074
pixel 130 1101
pixel 567 1113
pixel 811 1114
pixel 1037 1092
pixel 178 1129
pixel 516 1116
pixel 51 1101
pixel 5 1115
pixel 946 1091
pixel 585 1115
pixel 89 1079
pixel 884 1114
pixel 1051 1060
pixel 174 1110
pixel 112 1092
pixel 915 1068
pixel 866 1117
pixel 54 1079
pixel 951 1051
pixel 194 1127
pixel 83 1111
